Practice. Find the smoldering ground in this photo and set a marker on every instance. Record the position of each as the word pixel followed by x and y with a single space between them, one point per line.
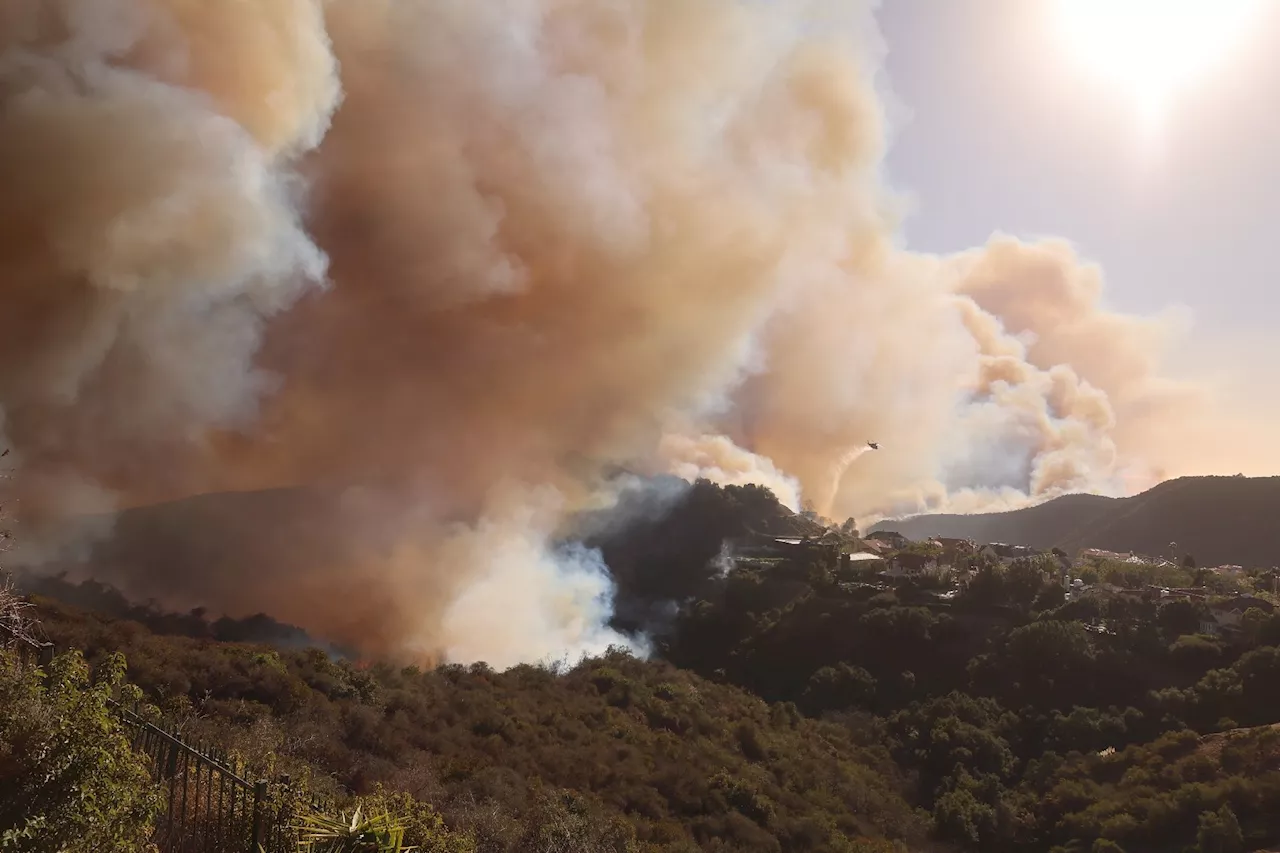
pixel 444 262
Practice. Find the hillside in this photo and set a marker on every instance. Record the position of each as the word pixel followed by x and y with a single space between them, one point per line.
pixel 235 553
pixel 1218 520
pixel 1041 526
pixel 790 707
pixel 649 751
pixel 284 549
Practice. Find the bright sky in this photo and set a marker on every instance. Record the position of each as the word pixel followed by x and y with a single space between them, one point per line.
pixel 1163 164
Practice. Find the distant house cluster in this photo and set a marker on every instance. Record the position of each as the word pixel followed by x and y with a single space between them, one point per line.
pixel 944 566
pixel 1098 555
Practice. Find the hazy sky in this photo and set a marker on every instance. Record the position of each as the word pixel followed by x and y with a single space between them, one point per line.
pixel 1002 130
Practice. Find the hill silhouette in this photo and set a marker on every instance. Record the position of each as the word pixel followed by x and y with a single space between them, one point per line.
pixel 234 553
pixel 1218 520
pixel 281 550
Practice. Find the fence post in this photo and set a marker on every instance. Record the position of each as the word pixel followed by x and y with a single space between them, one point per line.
pixel 283 819
pixel 259 802
pixel 46 655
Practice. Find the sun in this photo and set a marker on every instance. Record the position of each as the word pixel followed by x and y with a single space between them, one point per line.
pixel 1152 49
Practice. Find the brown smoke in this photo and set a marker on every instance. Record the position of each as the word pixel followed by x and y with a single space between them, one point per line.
pixel 462 255
pixel 146 231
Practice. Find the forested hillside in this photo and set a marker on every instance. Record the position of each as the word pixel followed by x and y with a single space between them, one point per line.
pixel 793 703
pixel 651 752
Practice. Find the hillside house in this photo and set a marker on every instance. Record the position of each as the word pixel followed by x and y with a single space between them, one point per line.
pixel 1244 602
pixel 801 550
pixel 1087 554
pixel 912 563
pixel 1221 623
pixel 954 550
pixel 877 546
pixel 1112 591
pixel 1005 553
pixel 1092 556
pixel 1225 617
pixel 860 565
pixel 1193 593
pixel 892 538
pixel 1166 594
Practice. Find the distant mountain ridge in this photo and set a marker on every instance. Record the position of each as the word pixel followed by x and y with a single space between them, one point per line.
pixel 1218 520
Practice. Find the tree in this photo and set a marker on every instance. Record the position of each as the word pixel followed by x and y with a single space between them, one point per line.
pixel 1047 663
pixel 1180 617
pixel 988 584
pixel 1269 633
pixel 1219 832
pixel 1252 623
pixel 1195 652
pixel 1024 580
pixel 961 817
pixel 838 687
pixel 1051 597
pixel 69 780
pixel 1189 562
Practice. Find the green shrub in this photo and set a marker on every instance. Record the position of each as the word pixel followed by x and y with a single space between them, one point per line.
pixel 69 780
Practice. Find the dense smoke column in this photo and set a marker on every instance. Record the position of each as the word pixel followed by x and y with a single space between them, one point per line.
pixel 414 274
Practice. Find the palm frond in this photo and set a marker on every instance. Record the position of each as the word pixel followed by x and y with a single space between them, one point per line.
pixel 357 833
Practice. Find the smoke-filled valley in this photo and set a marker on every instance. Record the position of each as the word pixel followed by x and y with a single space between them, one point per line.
pixel 397 286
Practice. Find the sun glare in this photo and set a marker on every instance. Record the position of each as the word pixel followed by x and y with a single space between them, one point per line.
pixel 1152 49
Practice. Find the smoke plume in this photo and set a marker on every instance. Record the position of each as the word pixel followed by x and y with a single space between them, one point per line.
pixel 414 274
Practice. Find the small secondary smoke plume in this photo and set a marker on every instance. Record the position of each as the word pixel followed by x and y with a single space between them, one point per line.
pixel 427 267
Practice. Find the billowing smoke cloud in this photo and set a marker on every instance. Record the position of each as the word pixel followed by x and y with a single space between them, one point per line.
pixel 718 459
pixel 147 230
pixel 426 269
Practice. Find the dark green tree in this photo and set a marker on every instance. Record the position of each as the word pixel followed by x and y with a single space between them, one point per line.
pixel 1024 579
pixel 1219 832
pixel 838 687
pixel 1051 597
pixel 1195 653
pixel 1180 617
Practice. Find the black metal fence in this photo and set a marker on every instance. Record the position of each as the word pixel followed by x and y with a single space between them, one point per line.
pixel 210 807
pixel 210 804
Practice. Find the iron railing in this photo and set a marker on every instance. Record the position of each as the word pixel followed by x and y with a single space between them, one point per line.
pixel 210 804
